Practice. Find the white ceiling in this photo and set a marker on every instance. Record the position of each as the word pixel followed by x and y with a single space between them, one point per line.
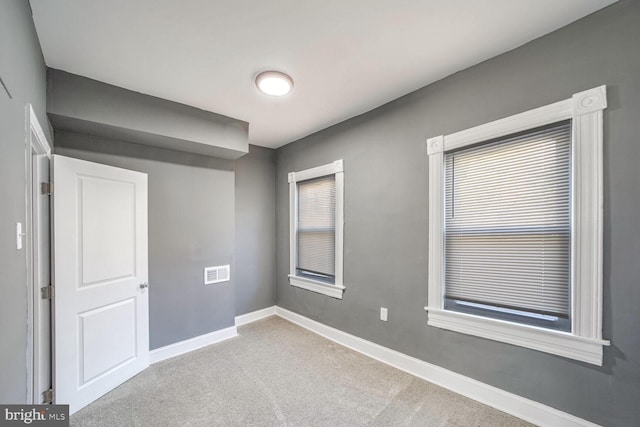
pixel 346 57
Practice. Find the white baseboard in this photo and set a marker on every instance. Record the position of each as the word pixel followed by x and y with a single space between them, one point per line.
pixel 526 409
pixel 255 315
pixel 182 347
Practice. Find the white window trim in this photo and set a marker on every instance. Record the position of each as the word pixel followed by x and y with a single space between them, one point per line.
pixel 333 290
pixel 585 341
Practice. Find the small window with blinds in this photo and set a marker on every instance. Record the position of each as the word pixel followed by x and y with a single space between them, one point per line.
pixel 507 228
pixel 316 229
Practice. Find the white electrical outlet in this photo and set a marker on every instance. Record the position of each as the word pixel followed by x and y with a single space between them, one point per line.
pixel 383 314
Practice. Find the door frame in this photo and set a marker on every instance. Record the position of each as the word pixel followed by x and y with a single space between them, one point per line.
pixel 36 144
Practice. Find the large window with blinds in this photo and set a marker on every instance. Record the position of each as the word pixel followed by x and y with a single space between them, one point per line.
pixel 316 216
pixel 515 229
pixel 508 228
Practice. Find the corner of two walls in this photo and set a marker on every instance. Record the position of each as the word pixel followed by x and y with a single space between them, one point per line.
pixel 255 211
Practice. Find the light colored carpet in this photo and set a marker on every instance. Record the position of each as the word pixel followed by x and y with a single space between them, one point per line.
pixel 278 374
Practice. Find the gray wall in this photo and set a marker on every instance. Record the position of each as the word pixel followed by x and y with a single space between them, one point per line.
pixel 23 72
pixel 255 230
pixel 191 226
pixel 386 210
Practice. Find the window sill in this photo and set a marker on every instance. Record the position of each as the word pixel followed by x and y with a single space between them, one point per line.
pixel 559 343
pixel 334 291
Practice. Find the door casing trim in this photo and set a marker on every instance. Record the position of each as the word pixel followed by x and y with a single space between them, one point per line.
pixel 36 144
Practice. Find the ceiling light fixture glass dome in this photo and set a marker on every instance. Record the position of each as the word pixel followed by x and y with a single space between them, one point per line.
pixel 274 83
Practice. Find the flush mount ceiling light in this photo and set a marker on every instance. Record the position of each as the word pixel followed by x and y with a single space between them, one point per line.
pixel 274 83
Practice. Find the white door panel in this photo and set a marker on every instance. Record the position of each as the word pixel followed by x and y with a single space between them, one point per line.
pixel 100 246
pixel 107 256
pixel 100 350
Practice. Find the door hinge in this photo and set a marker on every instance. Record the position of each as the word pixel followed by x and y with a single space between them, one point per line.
pixel 47 292
pixel 47 396
pixel 46 188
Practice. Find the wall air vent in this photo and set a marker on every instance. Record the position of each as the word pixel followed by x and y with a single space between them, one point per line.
pixel 221 273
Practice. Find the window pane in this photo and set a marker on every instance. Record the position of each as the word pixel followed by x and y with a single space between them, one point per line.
pixel 508 222
pixel 516 270
pixel 316 227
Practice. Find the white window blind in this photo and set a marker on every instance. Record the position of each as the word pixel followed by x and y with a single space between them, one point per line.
pixel 508 222
pixel 316 228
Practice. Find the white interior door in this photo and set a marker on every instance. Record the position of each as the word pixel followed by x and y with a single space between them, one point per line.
pixel 101 326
